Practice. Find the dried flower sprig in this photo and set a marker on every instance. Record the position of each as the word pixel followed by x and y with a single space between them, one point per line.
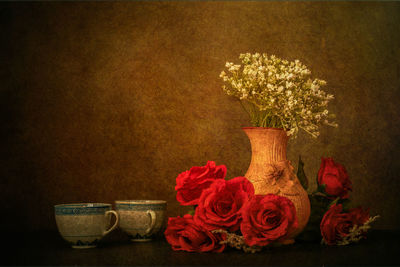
pixel 356 233
pixel 278 93
pixel 237 241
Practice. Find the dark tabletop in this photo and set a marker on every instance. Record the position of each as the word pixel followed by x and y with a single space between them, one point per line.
pixel 48 248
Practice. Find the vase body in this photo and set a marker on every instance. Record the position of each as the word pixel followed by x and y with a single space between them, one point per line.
pixel 271 172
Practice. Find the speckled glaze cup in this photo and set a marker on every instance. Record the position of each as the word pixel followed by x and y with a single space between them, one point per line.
pixel 141 219
pixel 84 224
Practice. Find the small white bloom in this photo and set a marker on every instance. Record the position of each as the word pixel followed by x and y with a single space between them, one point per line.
pixel 289 84
pixel 228 64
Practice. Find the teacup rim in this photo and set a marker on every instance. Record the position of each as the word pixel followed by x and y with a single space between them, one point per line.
pixel 85 205
pixel 141 201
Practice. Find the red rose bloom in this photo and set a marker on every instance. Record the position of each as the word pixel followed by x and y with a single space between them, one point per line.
pixel 335 225
pixel 268 218
pixel 335 177
pixel 184 234
pixel 190 184
pixel 359 215
pixel 220 205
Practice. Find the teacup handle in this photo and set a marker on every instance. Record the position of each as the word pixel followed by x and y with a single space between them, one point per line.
pixel 153 219
pixel 116 221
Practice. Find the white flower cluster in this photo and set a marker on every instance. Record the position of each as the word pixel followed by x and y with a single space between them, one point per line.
pixel 237 241
pixel 278 93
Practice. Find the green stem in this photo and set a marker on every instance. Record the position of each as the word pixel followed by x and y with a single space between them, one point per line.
pixel 313 135
pixel 263 123
pixel 282 122
pixel 255 116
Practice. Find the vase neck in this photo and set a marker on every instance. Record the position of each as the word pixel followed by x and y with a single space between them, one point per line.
pixel 268 145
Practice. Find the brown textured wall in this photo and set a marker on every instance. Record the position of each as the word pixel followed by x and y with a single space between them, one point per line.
pixel 103 101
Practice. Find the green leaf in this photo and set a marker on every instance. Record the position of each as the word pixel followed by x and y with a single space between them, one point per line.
pixel 192 211
pixel 301 174
pixel 312 232
pixel 334 202
pixel 346 204
pixel 321 188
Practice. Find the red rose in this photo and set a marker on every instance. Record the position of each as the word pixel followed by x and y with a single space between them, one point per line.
pixel 359 215
pixel 335 177
pixel 190 184
pixel 268 218
pixel 335 225
pixel 220 205
pixel 185 234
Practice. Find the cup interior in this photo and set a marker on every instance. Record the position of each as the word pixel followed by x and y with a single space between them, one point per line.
pixel 83 205
pixel 81 208
pixel 144 202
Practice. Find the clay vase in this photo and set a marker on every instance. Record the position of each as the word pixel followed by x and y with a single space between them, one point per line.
pixel 271 172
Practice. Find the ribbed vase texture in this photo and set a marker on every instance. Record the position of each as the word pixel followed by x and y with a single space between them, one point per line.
pixel 271 172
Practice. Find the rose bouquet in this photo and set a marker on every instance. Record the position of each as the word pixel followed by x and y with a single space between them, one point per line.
pixel 278 93
pixel 228 213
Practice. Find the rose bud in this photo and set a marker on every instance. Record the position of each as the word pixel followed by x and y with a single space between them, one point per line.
pixel 335 178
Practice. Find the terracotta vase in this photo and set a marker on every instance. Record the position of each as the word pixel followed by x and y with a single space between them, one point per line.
pixel 271 172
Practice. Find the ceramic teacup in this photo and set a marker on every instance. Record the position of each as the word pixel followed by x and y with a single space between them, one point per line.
pixel 141 219
pixel 84 224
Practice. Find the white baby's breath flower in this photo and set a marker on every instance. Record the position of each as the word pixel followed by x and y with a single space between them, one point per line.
pixel 282 93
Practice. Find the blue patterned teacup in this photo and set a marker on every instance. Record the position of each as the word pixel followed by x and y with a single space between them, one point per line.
pixel 141 219
pixel 84 224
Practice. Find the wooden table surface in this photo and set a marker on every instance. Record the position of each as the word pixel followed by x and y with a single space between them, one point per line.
pixel 47 248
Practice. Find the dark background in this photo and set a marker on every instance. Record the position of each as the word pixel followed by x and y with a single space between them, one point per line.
pixel 103 101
